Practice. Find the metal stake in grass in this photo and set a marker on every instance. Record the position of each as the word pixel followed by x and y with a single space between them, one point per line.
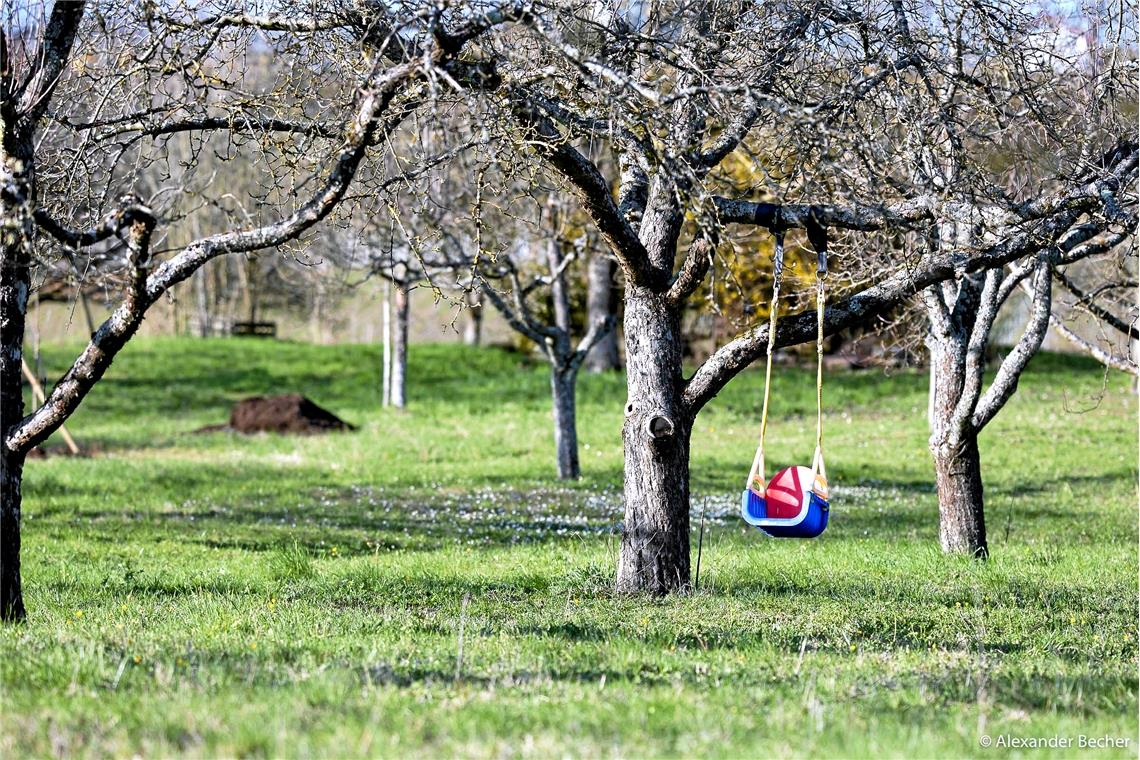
pixel 700 544
pixel 459 642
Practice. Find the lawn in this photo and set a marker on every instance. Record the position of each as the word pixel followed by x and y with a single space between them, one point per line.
pixel 423 586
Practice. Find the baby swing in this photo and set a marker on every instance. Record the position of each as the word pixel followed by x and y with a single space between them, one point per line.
pixel 794 504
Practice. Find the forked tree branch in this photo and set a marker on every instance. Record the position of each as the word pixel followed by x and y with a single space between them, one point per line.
pixel 989 303
pixel 1015 362
pixel 589 185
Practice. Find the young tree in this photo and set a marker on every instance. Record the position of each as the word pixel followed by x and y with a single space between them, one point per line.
pixel 852 100
pixel 962 315
pixel 555 338
pixel 185 74
pixel 519 270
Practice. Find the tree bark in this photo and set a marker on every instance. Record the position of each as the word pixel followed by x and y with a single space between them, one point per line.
pixel 954 446
pixel 562 382
pixel 601 303
pixel 402 302
pixel 961 519
pixel 17 180
pixel 654 554
pixel 11 595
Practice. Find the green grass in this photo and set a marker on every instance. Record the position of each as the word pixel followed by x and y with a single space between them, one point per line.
pixel 215 595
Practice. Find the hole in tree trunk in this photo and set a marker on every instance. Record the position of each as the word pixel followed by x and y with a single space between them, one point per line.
pixel 659 426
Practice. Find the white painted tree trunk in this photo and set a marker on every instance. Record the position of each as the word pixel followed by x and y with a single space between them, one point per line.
pixel 473 320
pixel 386 337
pixel 399 355
pixel 202 302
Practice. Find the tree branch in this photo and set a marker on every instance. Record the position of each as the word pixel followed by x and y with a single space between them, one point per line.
pixel 34 94
pixel 975 366
pixel 777 216
pixel 1087 302
pixel 129 208
pixel 1009 373
pixel 372 100
pixel 692 273
pixel 1106 358
pixel 598 329
pixel 111 336
pixel 861 307
pixel 591 188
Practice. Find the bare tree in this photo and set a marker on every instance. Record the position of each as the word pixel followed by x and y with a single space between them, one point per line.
pixel 519 269
pixel 962 315
pixel 185 75
pixel 843 114
pixel 555 338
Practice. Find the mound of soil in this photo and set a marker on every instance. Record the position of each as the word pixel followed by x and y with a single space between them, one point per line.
pixel 283 414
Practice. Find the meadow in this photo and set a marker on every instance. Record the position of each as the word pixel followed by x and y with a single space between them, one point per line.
pixel 423 586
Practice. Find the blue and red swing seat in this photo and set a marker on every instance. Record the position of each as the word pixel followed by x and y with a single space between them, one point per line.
pixel 784 508
pixel 794 504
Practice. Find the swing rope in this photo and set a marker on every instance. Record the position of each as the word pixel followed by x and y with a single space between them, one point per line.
pixel 817 465
pixel 756 480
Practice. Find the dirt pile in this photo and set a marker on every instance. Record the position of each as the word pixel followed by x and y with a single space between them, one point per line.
pixel 292 413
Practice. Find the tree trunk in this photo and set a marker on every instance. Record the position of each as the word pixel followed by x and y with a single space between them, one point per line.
pixel 11 596
pixel 655 537
pixel 957 466
pixel 601 303
pixel 473 320
pixel 17 179
pixel 961 519
pixel 386 355
pixel 562 382
pixel 400 347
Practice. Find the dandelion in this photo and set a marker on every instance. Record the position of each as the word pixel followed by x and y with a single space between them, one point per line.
pixel 253 645
pixel 78 614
